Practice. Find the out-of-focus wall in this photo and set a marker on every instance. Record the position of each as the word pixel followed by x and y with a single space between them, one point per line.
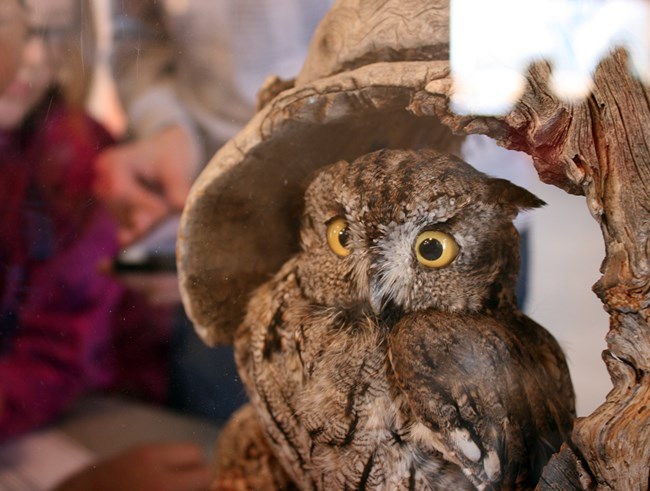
pixel 566 251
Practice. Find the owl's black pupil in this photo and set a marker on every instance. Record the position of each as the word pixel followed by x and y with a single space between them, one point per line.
pixel 344 237
pixel 431 249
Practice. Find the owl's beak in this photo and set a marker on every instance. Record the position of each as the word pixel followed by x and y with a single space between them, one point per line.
pixel 383 305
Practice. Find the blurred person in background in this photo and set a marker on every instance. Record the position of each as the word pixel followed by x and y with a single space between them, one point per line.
pixel 65 329
pixel 62 323
pixel 13 28
pixel 187 72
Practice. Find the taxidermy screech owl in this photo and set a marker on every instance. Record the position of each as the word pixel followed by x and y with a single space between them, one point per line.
pixel 389 352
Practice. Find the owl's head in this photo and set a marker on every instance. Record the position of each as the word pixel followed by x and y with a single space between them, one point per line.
pixel 413 230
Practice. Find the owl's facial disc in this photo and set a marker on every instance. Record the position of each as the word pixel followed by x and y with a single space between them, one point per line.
pixel 391 264
pixel 402 255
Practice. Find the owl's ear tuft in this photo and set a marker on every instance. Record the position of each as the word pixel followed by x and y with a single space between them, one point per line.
pixel 511 197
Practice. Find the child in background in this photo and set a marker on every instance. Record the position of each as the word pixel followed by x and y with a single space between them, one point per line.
pixel 65 329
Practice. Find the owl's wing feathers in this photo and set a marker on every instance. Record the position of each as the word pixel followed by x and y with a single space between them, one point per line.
pixel 496 394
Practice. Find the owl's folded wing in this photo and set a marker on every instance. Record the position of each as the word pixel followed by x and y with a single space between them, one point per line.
pixel 486 391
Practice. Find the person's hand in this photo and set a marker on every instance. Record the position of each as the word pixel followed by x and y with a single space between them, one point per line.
pixel 154 467
pixel 143 181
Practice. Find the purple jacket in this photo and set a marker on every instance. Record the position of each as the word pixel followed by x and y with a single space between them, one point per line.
pixel 65 328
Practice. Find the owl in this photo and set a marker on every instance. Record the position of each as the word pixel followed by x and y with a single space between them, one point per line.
pixel 389 352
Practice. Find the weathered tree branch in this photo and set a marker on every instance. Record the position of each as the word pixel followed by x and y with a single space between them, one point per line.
pixel 601 147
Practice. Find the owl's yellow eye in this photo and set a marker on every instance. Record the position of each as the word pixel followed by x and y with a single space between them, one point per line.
pixel 435 249
pixel 338 236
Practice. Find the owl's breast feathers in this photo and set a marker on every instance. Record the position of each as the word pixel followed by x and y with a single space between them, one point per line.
pixel 428 403
pixel 497 391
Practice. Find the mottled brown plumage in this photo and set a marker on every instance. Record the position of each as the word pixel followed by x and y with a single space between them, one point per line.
pixel 389 353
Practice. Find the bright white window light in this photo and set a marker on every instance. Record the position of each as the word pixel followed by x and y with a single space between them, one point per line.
pixel 493 42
